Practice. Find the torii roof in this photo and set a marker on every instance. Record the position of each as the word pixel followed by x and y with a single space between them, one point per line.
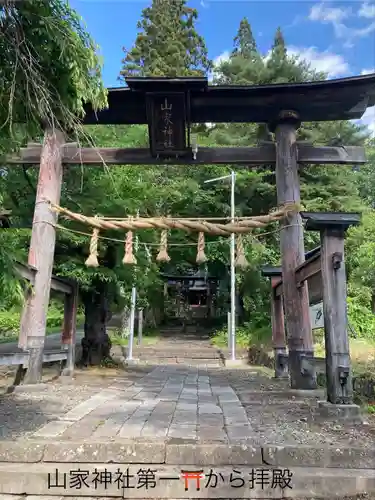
pixel 340 99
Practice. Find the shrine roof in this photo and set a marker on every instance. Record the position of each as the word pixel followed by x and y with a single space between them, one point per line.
pixel 317 221
pixel 339 99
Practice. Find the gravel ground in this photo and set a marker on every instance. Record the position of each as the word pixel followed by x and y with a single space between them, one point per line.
pixel 23 412
pixel 283 419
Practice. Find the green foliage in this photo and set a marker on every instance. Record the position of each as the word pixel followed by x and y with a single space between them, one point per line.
pixel 361 318
pixel 10 323
pixel 168 43
pixel 11 286
pixel 244 42
pixel 360 256
pixel 49 67
pixel 246 336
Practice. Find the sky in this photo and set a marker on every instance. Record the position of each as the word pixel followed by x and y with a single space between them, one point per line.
pixel 337 37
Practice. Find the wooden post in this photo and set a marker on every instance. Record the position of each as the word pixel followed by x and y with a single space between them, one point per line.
pixel 22 337
pixel 278 333
pixel 70 329
pixel 42 247
pixel 332 227
pixel 338 372
pixel 300 339
pixel 140 326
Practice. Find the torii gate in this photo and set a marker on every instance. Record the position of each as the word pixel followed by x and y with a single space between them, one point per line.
pixel 169 106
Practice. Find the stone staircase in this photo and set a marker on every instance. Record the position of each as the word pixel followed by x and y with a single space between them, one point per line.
pixel 191 347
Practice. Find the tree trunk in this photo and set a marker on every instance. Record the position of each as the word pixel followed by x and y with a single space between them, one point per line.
pixel 96 344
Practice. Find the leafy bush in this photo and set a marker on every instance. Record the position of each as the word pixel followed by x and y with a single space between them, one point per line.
pixel 246 336
pixel 360 315
pixel 10 322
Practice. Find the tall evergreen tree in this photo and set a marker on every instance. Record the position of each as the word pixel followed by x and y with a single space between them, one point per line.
pixel 245 65
pixel 167 44
pixel 279 46
pixel 244 42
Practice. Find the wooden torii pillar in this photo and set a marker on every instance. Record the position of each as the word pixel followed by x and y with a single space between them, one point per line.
pixel 277 323
pixel 332 228
pixel 296 300
pixel 41 252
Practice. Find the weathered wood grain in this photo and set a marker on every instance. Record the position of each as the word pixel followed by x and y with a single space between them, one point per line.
pixel 304 272
pixel 42 247
pixel 278 332
pixel 261 155
pixel 339 389
pixel 296 300
pixel 58 284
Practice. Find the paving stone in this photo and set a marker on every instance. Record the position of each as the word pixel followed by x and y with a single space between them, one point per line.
pixel 131 429
pixel 88 406
pixel 164 407
pixel 207 398
pixel 198 454
pixel 230 398
pixel 206 420
pixel 21 451
pixel 352 458
pixel 238 420
pixel 186 406
pixel 82 429
pixel 118 452
pixel 109 428
pixel 211 434
pixel 236 432
pixel 154 431
pixel 53 429
pixel 207 408
pixel 183 431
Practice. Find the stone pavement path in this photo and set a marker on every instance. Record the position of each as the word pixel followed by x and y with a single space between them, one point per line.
pixel 174 402
pixel 169 402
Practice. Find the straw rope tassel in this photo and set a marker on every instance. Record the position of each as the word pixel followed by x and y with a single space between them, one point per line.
pixel 129 256
pixel 92 259
pixel 163 252
pixel 241 261
pixel 201 256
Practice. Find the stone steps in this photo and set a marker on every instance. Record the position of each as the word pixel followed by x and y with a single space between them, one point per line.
pixel 176 451
pixel 21 478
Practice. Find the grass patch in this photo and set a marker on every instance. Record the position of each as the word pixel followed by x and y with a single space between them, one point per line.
pixel 362 353
pixel 150 336
pixel 245 337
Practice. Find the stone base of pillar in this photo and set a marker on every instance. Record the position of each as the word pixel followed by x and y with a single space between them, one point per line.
pixel 67 372
pixel 302 370
pixel 281 362
pixel 350 413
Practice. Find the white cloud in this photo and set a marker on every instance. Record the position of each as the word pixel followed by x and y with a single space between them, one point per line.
pixel 367 71
pixel 320 12
pixel 221 58
pixel 368 119
pixel 336 15
pixel 367 10
pixel 328 62
pixel 217 61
